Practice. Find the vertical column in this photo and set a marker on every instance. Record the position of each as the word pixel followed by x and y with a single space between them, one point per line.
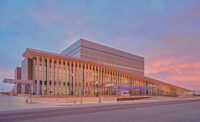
pixel 57 79
pixel 77 80
pixel 85 75
pixel 108 81
pixel 120 83
pixel 122 80
pixel 95 76
pixel 142 84
pixel 92 79
pixel 112 77
pixel 139 84
pixel 47 76
pixel 136 83
pixel 145 87
pixel 53 76
pixel 113 83
pixel 105 80
pixel 100 79
pixel 74 78
pixel 33 87
pixel 66 81
pixel 42 75
pixel 117 83
pixel 62 77
pixel 133 85
pixel 38 76
pixel 151 89
pixel 70 78
pixel 81 78
pixel 88 79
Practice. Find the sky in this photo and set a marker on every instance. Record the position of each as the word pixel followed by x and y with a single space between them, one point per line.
pixel 165 32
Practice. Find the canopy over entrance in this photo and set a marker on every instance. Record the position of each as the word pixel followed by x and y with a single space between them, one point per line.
pixel 17 81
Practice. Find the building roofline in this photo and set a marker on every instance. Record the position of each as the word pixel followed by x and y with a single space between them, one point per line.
pixel 31 53
pixel 112 48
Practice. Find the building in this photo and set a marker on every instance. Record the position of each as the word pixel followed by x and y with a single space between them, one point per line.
pixel 87 69
pixel 106 56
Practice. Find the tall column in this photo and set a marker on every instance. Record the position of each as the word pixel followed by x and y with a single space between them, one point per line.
pixel 108 81
pixel 38 76
pixel 95 76
pixel 138 86
pixel 112 77
pixel 33 87
pixel 122 79
pixel 66 80
pixel 42 75
pixel 117 82
pixel 78 79
pixel 103 81
pixel 53 76
pixel 100 79
pixel 132 83
pixel 74 78
pixel 81 78
pixel 88 79
pixel 151 89
pixel 70 77
pixel 85 77
pixel 62 77
pixel 144 85
pixel 47 76
pixel 92 79
pixel 57 78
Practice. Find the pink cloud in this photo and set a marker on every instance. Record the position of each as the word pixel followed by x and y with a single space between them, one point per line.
pixel 174 72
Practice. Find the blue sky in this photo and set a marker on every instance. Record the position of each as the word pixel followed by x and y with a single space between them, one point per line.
pixel 165 32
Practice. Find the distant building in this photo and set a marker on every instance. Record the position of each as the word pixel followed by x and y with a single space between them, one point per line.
pixel 88 69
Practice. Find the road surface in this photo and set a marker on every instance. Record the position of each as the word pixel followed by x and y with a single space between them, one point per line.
pixel 159 111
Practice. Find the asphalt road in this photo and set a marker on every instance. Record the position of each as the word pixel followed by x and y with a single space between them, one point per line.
pixel 159 111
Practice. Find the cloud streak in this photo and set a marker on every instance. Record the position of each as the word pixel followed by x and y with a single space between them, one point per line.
pixel 175 72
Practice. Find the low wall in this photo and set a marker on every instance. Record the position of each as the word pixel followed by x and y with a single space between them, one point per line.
pixel 74 99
